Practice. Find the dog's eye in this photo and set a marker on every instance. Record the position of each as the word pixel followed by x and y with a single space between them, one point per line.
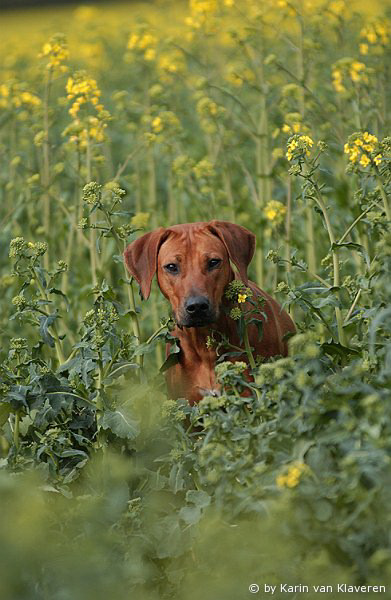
pixel 213 263
pixel 172 268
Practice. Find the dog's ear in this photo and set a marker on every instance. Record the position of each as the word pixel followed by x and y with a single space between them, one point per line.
pixel 240 244
pixel 141 258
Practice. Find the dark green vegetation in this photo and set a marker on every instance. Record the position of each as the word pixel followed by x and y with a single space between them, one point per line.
pixel 109 488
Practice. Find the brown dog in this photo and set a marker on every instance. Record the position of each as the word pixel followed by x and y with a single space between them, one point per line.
pixel 193 266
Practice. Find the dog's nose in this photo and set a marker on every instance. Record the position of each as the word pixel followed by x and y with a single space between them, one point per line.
pixel 197 305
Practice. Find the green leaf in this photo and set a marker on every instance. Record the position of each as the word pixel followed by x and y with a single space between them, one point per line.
pixel 352 246
pixel 122 422
pixel 323 510
pixel 334 349
pixel 198 497
pixel 44 324
pixel 172 359
pixel 5 409
pixel 190 514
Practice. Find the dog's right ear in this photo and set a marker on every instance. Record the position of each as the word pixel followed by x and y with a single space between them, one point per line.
pixel 141 258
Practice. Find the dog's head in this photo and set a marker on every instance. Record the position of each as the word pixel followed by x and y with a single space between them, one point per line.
pixel 192 262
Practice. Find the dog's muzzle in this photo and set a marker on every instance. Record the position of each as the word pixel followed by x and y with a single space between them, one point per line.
pixel 197 312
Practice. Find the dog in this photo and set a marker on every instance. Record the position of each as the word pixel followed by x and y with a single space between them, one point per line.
pixel 193 264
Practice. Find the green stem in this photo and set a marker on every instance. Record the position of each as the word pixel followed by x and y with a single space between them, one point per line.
pixel 288 223
pixel 92 232
pixel 228 191
pixel 172 204
pixel 384 198
pixel 248 347
pixel 46 166
pixel 152 185
pixel 351 309
pixel 130 291
pixel 101 438
pixel 352 226
pixel 310 239
pixel 335 254
pixel 16 429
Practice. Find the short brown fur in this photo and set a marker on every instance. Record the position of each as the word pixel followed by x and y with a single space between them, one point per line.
pixel 191 246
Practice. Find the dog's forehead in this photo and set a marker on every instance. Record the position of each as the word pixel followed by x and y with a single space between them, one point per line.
pixel 187 239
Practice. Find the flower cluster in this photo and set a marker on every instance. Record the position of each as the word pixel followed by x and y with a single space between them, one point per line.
pixel 238 292
pixel 84 92
pixel 82 89
pixel 140 220
pixel 375 37
pixel 92 193
pixel 144 43
pixel 346 70
pixel 99 323
pixel 208 112
pixel 238 73
pixel 19 248
pixel 201 13
pixel 363 148
pixel 204 169
pixel 170 63
pixel 15 96
pixel 56 52
pixel 164 126
pixel 298 147
pixel 293 475
pixel 275 212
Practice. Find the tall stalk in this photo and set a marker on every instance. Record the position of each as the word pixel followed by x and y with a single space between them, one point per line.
pixel 335 255
pixel 92 231
pixel 46 166
pixel 309 221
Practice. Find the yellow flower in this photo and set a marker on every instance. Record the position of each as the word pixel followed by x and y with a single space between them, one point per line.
pixel 56 50
pixel 275 211
pixel 242 298
pixel 377 160
pixel 203 6
pixel 364 161
pixel 307 140
pixel 157 124
pixel 364 49
pixel 150 54
pixel 147 40
pixel 355 71
pixel 133 41
pixel 140 219
pixel 292 477
pixel 286 128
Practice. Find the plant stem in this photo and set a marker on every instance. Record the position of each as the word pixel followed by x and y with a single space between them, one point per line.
pixel 92 232
pixel 101 438
pixel 46 165
pixel 351 227
pixel 132 303
pixel 384 197
pixel 288 223
pixel 16 430
pixel 351 309
pixel 335 254
pixel 248 347
pixel 310 240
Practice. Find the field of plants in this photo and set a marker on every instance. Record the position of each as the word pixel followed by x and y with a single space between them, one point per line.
pixel 118 119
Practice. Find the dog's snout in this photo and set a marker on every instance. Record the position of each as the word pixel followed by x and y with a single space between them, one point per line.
pixel 197 305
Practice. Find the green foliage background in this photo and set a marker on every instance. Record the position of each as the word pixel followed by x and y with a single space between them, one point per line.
pixel 107 486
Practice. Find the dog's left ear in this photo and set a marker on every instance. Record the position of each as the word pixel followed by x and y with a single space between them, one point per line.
pixel 239 242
